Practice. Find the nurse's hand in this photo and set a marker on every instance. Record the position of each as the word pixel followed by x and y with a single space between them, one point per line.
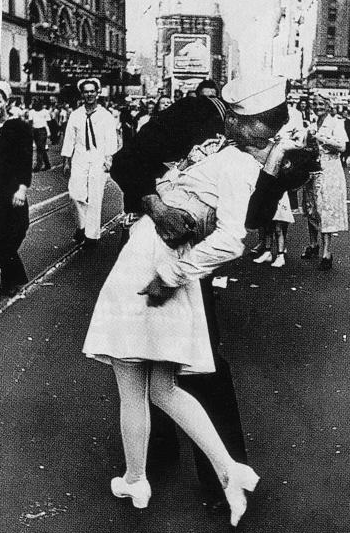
pixel 173 225
pixel 19 197
pixel 278 151
pixel 157 292
pixel 107 163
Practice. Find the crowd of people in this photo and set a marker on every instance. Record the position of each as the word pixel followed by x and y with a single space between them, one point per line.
pixel 196 174
pixel 323 198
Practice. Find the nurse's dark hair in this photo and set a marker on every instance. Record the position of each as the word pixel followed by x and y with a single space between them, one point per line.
pixel 276 117
pixel 273 118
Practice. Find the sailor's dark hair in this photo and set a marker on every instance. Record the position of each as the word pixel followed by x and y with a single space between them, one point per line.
pixel 207 84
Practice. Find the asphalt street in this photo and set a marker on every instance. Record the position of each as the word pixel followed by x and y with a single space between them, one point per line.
pixel 286 334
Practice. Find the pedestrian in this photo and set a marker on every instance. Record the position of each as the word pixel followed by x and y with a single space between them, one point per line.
pixel 16 155
pixel 39 119
pixel 161 321
pixel 127 121
pixel 344 156
pixel 324 199
pixel 88 146
pixel 143 119
pixel 63 117
pixel 307 114
pixel 114 110
pixel 207 88
pixel 178 94
pixel 162 103
pixel 278 228
pixel 53 124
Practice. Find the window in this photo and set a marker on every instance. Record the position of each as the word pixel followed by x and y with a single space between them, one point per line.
pixel 15 70
pixel 332 14
pixel 117 45
pixel 64 23
pixel 34 13
pixel 12 7
pixel 85 34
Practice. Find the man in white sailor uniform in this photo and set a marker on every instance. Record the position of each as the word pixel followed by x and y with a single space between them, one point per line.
pixel 89 144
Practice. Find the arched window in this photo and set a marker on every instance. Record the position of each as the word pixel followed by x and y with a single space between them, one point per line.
pixel 64 23
pixel 34 12
pixel 86 34
pixel 12 7
pixel 15 68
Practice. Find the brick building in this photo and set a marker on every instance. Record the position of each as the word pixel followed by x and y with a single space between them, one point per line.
pixel 67 40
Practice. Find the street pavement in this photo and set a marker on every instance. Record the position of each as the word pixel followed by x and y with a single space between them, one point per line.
pixel 286 334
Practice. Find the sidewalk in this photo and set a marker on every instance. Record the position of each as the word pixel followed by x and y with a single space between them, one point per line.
pixel 285 334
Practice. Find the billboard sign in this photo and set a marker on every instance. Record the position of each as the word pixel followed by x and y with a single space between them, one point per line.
pixel 44 87
pixel 191 53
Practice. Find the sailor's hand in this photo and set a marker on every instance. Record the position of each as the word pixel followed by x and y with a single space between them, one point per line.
pixel 157 292
pixel 172 225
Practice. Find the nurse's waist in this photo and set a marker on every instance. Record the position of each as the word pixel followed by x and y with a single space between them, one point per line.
pixel 189 202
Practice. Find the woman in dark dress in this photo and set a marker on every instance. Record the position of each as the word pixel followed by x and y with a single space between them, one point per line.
pixel 16 154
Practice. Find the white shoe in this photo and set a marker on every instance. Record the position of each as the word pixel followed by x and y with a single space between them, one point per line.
pixel 266 257
pixel 240 478
pixel 140 492
pixel 279 261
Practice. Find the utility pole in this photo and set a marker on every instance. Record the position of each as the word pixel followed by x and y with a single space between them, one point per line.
pixel 0 34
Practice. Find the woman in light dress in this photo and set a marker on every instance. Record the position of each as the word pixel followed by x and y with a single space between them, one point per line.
pixel 149 343
pixel 324 200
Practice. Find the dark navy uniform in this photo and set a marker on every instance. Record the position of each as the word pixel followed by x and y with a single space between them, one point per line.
pixel 16 153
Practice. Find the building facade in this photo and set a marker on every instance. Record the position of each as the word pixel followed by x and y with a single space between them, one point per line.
pixel 68 40
pixel 329 68
pixel 189 49
pixel 14 44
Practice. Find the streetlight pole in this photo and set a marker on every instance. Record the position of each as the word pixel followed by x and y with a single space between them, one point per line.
pixel 0 32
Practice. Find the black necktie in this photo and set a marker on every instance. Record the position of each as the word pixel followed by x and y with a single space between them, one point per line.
pixel 87 126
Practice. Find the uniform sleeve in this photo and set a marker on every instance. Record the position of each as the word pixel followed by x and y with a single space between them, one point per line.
pixel 225 243
pixel 69 139
pixel 340 133
pixel 264 200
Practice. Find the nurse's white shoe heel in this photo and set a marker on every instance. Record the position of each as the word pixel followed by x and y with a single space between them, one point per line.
pixel 240 477
pixel 139 492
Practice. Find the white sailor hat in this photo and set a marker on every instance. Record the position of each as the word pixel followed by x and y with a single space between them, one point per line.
pixel 254 95
pixel 5 88
pixel 95 81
